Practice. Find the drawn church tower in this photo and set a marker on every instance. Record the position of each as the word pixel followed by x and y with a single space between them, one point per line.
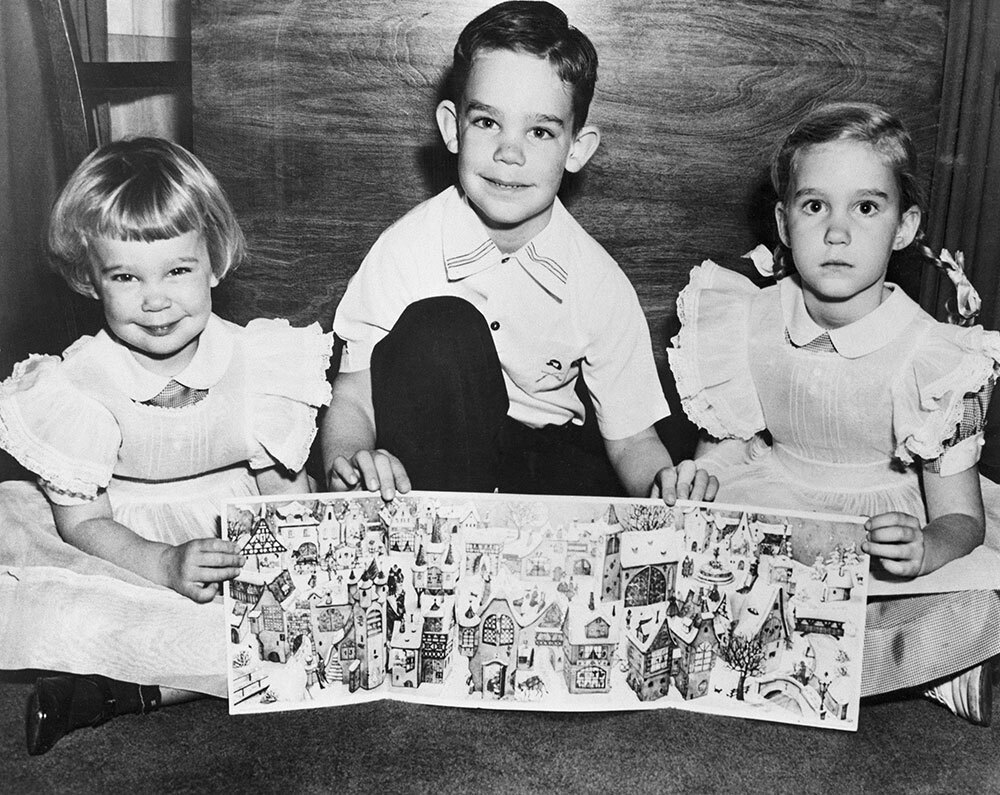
pixel 369 614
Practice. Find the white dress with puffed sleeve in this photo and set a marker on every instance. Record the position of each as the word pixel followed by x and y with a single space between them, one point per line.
pixel 77 423
pixel 851 414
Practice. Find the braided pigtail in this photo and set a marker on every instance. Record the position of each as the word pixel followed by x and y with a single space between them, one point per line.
pixel 784 265
pixel 964 307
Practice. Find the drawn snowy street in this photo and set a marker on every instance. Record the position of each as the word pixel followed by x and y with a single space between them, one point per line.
pixel 576 604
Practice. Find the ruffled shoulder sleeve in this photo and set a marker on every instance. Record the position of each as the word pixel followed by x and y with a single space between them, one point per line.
pixel 54 429
pixel 288 384
pixel 709 357
pixel 929 397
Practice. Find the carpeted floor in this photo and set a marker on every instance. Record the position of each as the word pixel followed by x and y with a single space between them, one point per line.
pixel 902 746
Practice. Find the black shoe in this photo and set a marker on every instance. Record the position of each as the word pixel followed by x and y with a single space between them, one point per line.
pixel 60 704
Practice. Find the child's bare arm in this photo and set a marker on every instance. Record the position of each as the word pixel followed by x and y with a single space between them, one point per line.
pixel 347 435
pixel 645 469
pixel 192 569
pixel 956 526
pixel 277 480
pixel 721 451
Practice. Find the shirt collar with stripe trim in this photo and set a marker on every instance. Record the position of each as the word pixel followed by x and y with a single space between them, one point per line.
pixel 468 248
pixel 869 334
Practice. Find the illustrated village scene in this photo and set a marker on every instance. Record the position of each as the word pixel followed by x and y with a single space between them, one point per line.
pixel 545 603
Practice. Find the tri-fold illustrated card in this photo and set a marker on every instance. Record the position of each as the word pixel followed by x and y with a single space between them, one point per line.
pixel 546 603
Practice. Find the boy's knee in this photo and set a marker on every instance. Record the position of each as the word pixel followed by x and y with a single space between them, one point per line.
pixel 436 332
pixel 441 316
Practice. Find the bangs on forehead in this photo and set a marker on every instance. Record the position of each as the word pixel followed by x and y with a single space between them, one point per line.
pixel 146 207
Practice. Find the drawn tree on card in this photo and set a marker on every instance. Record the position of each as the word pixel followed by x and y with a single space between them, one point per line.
pixel 241 523
pixel 745 656
pixel 643 518
pixel 525 514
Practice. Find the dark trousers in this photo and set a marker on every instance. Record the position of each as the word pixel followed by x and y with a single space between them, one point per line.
pixel 441 407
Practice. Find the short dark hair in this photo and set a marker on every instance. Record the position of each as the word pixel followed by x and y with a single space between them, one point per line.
pixel 538 28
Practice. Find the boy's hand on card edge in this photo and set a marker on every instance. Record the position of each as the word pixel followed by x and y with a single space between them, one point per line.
pixel 372 470
pixel 684 482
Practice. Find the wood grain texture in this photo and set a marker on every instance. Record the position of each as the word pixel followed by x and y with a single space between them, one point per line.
pixel 318 118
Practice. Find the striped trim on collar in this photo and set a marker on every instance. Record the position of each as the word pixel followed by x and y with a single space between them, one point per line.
pixel 553 267
pixel 468 248
pixel 462 265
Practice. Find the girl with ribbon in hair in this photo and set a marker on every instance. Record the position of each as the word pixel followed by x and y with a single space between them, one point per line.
pixel 833 391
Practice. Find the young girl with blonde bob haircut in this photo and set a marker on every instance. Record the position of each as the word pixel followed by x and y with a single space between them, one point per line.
pixel 872 407
pixel 136 435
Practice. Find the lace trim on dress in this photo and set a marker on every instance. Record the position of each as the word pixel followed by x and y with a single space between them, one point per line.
pixel 708 405
pixel 29 383
pixel 944 399
pixel 287 386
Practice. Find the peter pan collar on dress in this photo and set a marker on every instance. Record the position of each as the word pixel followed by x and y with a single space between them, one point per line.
pixel 871 333
pixel 468 248
pixel 205 370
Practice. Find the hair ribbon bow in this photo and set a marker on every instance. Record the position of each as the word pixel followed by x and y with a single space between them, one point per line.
pixel 762 259
pixel 968 301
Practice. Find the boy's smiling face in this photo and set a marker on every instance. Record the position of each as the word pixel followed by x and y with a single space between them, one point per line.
pixel 513 134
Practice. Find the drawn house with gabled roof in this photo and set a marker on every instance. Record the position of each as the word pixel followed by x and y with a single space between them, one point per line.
pixel 436 566
pixel 773 538
pixel 483 548
pixel 532 557
pixel 262 546
pixel 494 658
pixel 239 624
pixel 438 640
pixel 765 615
pixel 400 523
pixel 460 519
pixel 590 636
pixel 697 649
pixel 368 597
pixel 650 651
pixel 468 631
pixel 330 623
pixel 270 620
pixel 548 631
pixel 585 545
pixel 741 541
pixel 697 531
pixel 295 524
pixel 404 652
pixel 838 582
pixel 247 587
pixel 779 571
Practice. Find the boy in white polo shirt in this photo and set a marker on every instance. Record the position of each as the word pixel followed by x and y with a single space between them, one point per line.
pixel 472 317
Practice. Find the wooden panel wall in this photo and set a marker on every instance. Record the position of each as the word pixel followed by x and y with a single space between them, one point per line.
pixel 318 117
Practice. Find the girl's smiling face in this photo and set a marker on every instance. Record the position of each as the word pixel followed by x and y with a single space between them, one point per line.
pixel 156 296
pixel 842 220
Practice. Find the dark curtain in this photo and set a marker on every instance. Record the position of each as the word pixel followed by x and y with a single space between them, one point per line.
pixel 30 151
pixel 964 212
pixel 38 313
pixel 965 198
